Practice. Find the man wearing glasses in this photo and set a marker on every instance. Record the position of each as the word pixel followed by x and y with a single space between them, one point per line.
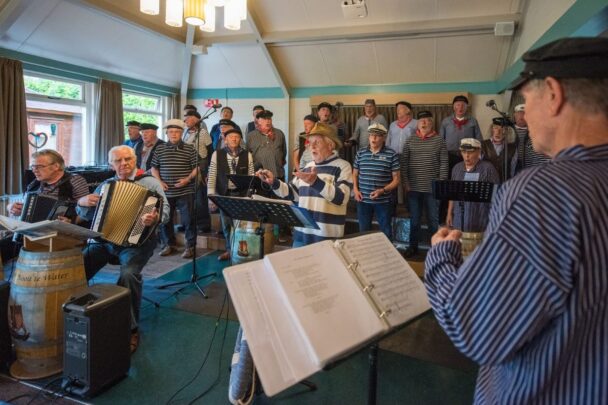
pixel 52 180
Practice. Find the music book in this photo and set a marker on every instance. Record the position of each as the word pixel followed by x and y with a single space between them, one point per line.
pixel 302 309
pixel 47 228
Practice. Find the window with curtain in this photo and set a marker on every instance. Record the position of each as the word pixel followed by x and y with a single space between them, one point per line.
pixel 144 108
pixel 58 116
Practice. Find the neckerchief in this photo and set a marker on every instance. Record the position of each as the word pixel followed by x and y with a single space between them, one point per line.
pixel 460 123
pixel 402 124
pixel 427 136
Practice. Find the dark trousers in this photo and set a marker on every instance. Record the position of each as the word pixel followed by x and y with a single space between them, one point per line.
pixel 185 205
pixel 132 261
pixel 203 220
pixel 417 201
pixel 366 211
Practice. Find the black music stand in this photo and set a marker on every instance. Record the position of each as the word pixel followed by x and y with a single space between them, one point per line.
pixel 250 185
pixel 469 191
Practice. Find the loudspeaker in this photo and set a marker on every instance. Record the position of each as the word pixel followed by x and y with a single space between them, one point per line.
pixel 97 330
pixel 504 29
pixel 5 336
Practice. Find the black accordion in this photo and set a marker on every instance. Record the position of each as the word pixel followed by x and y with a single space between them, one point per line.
pixel 39 207
pixel 118 214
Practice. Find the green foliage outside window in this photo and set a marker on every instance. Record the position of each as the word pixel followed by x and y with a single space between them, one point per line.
pixel 52 88
pixel 131 101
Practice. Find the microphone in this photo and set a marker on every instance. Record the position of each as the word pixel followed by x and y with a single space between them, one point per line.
pixel 216 106
pixel 490 103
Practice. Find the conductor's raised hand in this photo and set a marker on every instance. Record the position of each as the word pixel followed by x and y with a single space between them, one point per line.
pixel 89 200
pixel 265 175
pixel 150 218
pixel 444 234
pixel 307 177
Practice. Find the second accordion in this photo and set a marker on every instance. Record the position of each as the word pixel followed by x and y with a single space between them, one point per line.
pixel 119 212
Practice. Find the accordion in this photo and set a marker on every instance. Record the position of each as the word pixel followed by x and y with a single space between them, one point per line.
pixel 118 214
pixel 38 207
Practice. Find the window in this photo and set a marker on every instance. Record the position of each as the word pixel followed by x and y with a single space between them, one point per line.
pixel 57 116
pixel 143 108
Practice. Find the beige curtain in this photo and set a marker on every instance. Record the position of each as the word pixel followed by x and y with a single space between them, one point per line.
pixel 174 106
pixel 350 114
pixel 109 128
pixel 13 127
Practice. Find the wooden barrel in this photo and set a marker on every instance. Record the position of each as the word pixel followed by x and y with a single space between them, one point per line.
pixel 42 282
pixel 469 241
pixel 246 243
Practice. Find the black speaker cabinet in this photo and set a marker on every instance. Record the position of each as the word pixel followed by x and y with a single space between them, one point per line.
pixel 5 337
pixel 97 332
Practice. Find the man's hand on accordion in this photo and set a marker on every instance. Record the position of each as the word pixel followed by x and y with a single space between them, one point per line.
pixel 89 200
pixel 151 218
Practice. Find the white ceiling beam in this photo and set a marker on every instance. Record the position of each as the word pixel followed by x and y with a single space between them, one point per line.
pixel 254 27
pixel 186 68
pixel 10 13
pixel 413 29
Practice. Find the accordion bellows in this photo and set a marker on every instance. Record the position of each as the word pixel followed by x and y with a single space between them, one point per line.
pixel 118 215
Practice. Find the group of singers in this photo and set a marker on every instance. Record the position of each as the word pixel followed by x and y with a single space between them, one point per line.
pixel 529 305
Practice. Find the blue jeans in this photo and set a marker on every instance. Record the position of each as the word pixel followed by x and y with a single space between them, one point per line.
pixel 383 211
pixel 417 200
pixel 132 261
pixel 227 225
pixel 185 205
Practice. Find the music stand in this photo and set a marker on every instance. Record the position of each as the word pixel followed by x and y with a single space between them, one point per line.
pixel 469 191
pixel 250 185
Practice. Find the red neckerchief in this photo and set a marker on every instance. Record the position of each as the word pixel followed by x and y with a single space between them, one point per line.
pixel 460 123
pixel 139 172
pixel 402 125
pixel 270 134
pixel 427 136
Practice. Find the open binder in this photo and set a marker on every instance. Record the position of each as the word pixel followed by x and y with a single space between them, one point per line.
pixel 304 308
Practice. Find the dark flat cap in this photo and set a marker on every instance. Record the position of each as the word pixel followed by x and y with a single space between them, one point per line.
pixel 148 126
pixel 424 114
pixel 500 121
pixel 404 103
pixel 192 113
pixel 566 58
pixel 190 107
pixel 224 121
pixel 264 114
pixel 233 131
pixel 370 101
pixel 311 118
pixel 460 98
pixel 325 104
pixel 258 107
pixel 133 124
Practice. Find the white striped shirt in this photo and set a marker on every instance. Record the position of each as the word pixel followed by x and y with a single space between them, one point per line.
pixel 530 305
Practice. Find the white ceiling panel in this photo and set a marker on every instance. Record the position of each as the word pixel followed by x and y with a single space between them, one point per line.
pixel 467 59
pixel 78 35
pixel 231 66
pixel 406 61
pixel 351 63
pixel 302 65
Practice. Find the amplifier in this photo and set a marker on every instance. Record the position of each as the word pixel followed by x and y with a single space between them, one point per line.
pixel 97 330
pixel 5 337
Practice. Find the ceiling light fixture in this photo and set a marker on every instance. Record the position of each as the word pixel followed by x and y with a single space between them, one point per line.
pixel 209 25
pixel 151 7
pixel 174 13
pixel 194 12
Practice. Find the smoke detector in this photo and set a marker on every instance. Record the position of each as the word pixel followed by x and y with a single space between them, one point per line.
pixel 504 29
pixel 354 9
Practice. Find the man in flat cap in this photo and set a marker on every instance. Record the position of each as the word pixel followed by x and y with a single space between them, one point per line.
pixel 457 126
pixel 253 125
pixel 526 155
pixel 226 113
pixel 133 128
pixel 197 136
pixel 500 149
pixel 375 176
pixel 472 168
pixel 529 305
pixel 145 149
pixel 369 117
pixel 322 187
pixel 424 159
pixel 175 165
pixel 301 154
pixel 268 146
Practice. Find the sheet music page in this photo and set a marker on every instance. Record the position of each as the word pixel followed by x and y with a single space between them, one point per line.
pixel 396 285
pixel 258 197
pixel 330 309
pixel 280 353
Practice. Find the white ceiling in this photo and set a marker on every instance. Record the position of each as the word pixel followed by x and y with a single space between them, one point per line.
pixel 298 43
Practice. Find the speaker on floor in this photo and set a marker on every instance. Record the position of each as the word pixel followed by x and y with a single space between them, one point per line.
pixel 96 339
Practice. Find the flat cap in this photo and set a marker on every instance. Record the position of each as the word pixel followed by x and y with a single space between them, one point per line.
pixel 424 114
pixel 148 126
pixel 174 123
pixel 133 124
pixel 225 121
pixel 234 131
pixel 500 121
pixel 192 113
pixel 469 144
pixel 460 98
pixel 258 107
pixel 377 128
pixel 264 114
pixel 325 104
pixel 311 118
pixel 189 107
pixel 566 58
pixel 370 101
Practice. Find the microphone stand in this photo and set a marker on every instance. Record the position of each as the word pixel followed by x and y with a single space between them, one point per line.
pixel 194 277
pixel 505 143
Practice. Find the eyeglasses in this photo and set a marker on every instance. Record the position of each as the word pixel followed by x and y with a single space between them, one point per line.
pixel 125 159
pixel 38 167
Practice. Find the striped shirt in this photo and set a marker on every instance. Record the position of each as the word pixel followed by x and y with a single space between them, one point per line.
pixel 452 135
pixel 232 162
pixel 326 199
pixel 175 161
pixel 423 161
pixel 526 155
pixel 268 154
pixel 530 304
pixel 190 136
pixel 80 188
pixel 375 172
pixel 475 214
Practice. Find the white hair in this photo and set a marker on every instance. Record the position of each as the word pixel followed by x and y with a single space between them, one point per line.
pixel 119 148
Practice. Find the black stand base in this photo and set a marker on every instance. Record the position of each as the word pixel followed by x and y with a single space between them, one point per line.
pixel 156 303
pixel 194 279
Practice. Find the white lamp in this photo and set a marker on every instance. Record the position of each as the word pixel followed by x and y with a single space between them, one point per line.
pixel 209 25
pixel 151 7
pixel 174 13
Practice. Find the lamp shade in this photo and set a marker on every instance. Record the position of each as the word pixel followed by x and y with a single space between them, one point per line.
pixel 194 12
pixel 151 7
pixel 209 25
pixel 218 3
pixel 232 17
pixel 174 13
